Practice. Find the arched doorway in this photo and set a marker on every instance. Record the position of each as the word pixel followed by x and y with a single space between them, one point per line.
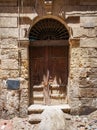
pixel 48 62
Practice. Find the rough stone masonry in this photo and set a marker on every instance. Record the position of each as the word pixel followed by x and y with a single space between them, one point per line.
pixel 15 23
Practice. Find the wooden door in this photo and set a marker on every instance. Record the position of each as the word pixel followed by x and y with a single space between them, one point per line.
pixel 48 74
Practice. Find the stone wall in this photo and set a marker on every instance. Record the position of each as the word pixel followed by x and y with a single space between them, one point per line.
pixel 83 66
pixel 13 65
pixel 14 61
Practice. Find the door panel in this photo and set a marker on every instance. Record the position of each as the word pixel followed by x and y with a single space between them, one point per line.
pixel 48 73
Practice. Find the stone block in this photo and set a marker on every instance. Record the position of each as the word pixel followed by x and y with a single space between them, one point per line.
pixel 75 103
pixel 75 73
pixel 24 93
pixel 89 102
pixel 88 92
pixel 83 62
pixel 24 53
pixel 9 64
pixel 80 32
pixel 12 103
pixel 83 52
pixel 9 54
pixel 24 83
pixel 9 43
pixel 88 82
pixel 88 2
pixel 74 92
pixel 88 22
pixel 88 42
pixel 24 31
pixel 5 74
pixel 9 32
pixel 8 22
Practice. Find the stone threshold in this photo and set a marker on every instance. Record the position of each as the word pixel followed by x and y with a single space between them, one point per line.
pixel 36 108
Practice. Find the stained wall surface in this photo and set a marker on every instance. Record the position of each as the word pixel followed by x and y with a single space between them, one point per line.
pixel 16 19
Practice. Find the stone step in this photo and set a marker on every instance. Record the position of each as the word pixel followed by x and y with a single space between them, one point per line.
pixel 40 108
pixel 34 118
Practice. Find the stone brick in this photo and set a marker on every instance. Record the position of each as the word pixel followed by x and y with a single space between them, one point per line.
pixel 9 43
pixel 88 42
pixel 83 62
pixel 24 83
pixel 4 74
pixel 75 73
pixel 88 20
pixel 9 32
pixel 80 32
pixel 84 52
pixel 89 102
pixel 88 82
pixel 75 104
pixel 24 53
pixel 88 92
pixel 9 54
pixel 12 103
pixel 74 92
pixel 9 64
pixel 8 22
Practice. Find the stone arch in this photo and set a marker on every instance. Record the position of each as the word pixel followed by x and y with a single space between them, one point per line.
pixel 59 20
pixel 48 46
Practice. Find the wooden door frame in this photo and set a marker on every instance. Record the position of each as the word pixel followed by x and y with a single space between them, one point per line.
pixel 52 43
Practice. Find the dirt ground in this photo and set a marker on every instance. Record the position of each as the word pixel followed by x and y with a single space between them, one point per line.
pixel 84 122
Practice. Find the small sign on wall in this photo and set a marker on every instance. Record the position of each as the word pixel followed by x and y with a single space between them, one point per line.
pixel 13 84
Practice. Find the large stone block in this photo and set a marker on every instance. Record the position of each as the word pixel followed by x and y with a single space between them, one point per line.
pixel 80 32
pixel 9 64
pixel 4 74
pixel 9 32
pixel 88 42
pixel 76 73
pixel 9 54
pixel 84 52
pixel 88 22
pixel 9 43
pixel 89 102
pixel 88 92
pixel 83 62
pixel 8 22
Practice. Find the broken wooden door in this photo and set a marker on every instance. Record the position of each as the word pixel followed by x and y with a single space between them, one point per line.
pixel 48 72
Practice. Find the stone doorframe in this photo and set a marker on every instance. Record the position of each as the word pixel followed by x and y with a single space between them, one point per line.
pixel 24 52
